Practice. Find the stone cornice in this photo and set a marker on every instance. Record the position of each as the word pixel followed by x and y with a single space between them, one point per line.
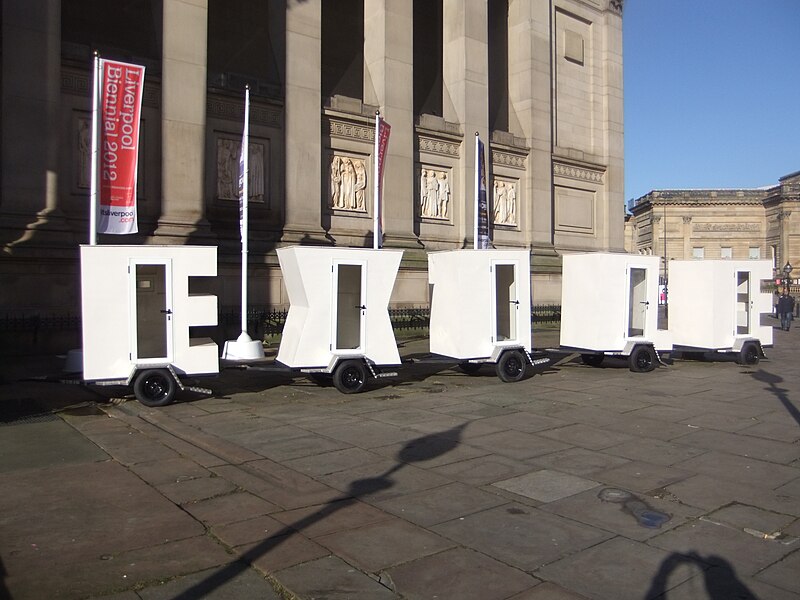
pixel 339 128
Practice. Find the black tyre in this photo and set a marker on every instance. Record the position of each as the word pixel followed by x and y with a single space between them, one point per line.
pixel 511 366
pixel 749 354
pixel 469 368
pixel 592 360
pixel 155 387
pixel 642 359
pixel 350 376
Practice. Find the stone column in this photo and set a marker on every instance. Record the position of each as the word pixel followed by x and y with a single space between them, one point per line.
pixel 183 120
pixel 30 104
pixel 465 74
pixel 612 88
pixel 388 71
pixel 687 237
pixel 530 84
pixel 303 121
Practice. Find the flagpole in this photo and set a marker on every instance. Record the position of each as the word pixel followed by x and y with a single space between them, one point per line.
pixel 477 190
pixel 376 242
pixel 244 188
pixel 244 348
pixel 95 157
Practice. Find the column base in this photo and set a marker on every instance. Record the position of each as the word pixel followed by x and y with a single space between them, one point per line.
pixel 177 232
pixel 46 229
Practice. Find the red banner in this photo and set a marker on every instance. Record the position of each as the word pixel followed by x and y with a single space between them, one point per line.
pixel 120 111
pixel 382 131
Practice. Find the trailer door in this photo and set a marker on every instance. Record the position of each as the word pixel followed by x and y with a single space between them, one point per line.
pixel 350 288
pixel 505 303
pixel 637 301
pixel 151 304
pixel 743 302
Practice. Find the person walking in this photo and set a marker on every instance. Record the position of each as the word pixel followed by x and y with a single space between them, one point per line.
pixel 785 310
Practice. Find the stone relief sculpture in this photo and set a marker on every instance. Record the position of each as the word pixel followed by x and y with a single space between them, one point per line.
pixel 434 200
pixel 228 170
pixel 84 153
pixel 348 183
pixel 505 203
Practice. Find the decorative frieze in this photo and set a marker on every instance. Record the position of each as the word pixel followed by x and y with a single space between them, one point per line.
pixel 726 227
pixel 351 131
pixel 439 146
pixel 579 173
pixel 508 159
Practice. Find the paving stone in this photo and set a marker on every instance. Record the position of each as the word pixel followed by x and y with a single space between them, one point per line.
pixel 649 428
pixel 459 574
pixel 548 591
pixel 585 436
pixel 656 452
pixel 546 485
pixel 381 481
pixel 710 493
pixel 314 521
pixel 752 518
pixel 469 410
pixel 640 476
pixel 441 504
pixel 246 585
pixel 333 579
pixel 741 469
pixel 619 568
pixel 192 490
pixel 484 469
pixel 229 508
pixel 297 447
pixel 367 546
pixel 21 446
pixel 724 582
pixel 281 552
pixel 172 470
pixel 524 421
pixel 783 574
pixel 721 422
pixel 369 434
pixel 521 536
pixel 749 553
pixel 333 462
pixel 578 461
pixel 431 451
pixel 589 507
pixel 249 531
pixel 517 444
pixel 781 432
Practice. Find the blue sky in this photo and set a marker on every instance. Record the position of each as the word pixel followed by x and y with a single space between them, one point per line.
pixel 712 93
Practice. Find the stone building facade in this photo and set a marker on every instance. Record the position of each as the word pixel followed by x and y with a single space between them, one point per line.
pixel 539 80
pixel 761 223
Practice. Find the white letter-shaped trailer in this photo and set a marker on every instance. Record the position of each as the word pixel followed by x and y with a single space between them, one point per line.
pixel 338 319
pixel 137 313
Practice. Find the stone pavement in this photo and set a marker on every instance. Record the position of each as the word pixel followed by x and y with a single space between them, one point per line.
pixel 577 482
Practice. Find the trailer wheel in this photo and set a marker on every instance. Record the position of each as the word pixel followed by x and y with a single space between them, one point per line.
pixel 511 366
pixel 469 368
pixel 592 360
pixel 155 387
pixel 749 354
pixel 642 359
pixel 350 376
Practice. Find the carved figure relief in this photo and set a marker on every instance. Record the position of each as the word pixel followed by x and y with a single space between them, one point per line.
pixel 505 202
pixel 434 194
pixel 348 183
pixel 84 153
pixel 228 170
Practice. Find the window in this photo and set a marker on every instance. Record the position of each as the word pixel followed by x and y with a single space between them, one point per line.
pixel 726 252
pixel 754 253
pixel 698 252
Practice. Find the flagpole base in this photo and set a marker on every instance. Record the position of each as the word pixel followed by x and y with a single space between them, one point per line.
pixel 243 348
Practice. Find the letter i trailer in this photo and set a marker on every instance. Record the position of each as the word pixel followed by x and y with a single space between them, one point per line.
pixel 715 306
pixel 338 323
pixel 609 307
pixel 137 316
pixel 481 310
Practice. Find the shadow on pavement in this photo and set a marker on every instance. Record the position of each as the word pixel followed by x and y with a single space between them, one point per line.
pixel 780 393
pixel 419 449
pixel 720 577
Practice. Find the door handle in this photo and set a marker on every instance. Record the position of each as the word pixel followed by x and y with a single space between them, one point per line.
pixel 514 302
pixel 167 312
pixel 645 302
pixel 362 307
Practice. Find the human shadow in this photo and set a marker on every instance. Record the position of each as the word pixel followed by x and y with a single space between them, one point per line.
pixel 4 593
pixel 419 449
pixel 780 393
pixel 719 577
